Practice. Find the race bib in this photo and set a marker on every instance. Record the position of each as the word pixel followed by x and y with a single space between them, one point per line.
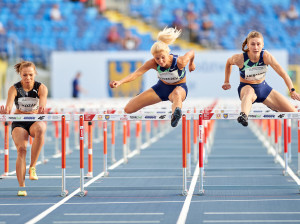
pixel 28 104
pixel 256 73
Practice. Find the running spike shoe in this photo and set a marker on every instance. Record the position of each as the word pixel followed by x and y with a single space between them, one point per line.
pixel 243 119
pixel 22 193
pixel 32 173
pixel 175 117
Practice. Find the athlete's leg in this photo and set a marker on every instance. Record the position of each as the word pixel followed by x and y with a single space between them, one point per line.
pixel 20 137
pixel 247 97
pixel 177 96
pixel 142 100
pixel 37 131
pixel 278 102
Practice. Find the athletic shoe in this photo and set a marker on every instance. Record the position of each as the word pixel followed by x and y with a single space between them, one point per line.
pixel 32 173
pixel 22 193
pixel 243 119
pixel 175 117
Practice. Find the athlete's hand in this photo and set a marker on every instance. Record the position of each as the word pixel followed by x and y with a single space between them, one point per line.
pixel 192 67
pixel 114 84
pixel 2 110
pixel 41 110
pixel 226 86
pixel 295 96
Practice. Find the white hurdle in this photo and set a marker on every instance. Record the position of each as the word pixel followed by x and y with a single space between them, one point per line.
pixel 231 115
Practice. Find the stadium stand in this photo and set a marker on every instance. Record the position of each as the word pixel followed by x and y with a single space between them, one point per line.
pixel 32 35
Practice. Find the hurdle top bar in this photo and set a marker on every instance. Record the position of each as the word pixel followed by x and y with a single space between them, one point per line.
pixel 34 117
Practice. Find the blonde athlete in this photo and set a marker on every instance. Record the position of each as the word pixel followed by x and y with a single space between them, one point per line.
pixel 170 72
pixel 253 65
pixel 30 97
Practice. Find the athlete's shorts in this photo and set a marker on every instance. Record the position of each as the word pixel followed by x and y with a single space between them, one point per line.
pixel 163 90
pixel 25 125
pixel 262 90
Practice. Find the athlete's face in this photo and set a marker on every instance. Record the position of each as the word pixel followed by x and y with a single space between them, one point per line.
pixel 255 45
pixel 161 58
pixel 27 74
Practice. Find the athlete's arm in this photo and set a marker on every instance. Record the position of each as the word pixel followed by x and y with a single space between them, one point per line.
pixel 182 61
pixel 140 71
pixel 234 60
pixel 270 60
pixel 43 93
pixel 12 93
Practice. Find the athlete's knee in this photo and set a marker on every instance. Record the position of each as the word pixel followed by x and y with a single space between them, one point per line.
pixel 39 132
pixel 22 150
pixel 128 110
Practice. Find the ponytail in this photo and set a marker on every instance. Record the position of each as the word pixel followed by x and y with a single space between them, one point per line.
pixel 164 38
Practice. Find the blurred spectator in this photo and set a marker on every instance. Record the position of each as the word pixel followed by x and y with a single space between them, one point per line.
pixel 191 16
pixel 101 5
pixel 113 35
pixel 76 88
pixel 2 29
pixel 206 23
pixel 179 19
pixel 282 17
pixel 55 14
pixel 130 42
pixel 292 13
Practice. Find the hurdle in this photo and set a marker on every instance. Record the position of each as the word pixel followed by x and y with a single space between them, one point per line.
pixel 125 118
pixel 37 117
pixel 231 115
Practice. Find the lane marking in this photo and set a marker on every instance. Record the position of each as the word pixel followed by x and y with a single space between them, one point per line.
pixel 188 199
pixel 114 214
pixel 61 202
pixel 250 221
pixel 248 213
pixel 106 222
pixel 9 214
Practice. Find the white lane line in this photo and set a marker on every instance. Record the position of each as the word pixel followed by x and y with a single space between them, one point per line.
pixel 114 214
pixel 138 222
pixel 9 214
pixel 55 206
pixel 188 199
pixel 151 202
pixel 249 213
pixel 251 221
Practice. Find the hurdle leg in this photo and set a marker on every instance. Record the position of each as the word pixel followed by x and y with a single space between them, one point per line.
pixel 105 149
pixel 64 192
pixel 285 147
pixel 125 142
pixel 6 149
pixel 90 150
pixel 201 156
pixel 81 144
pixel 113 157
pixel 289 140
pixel 298 172
pixel 184 190
pixel 276 141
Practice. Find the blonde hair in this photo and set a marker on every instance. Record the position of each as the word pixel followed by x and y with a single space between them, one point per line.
pixel 24 64
pixel 252 34
pixel 164 38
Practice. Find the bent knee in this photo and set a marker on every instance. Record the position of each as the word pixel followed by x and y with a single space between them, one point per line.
pixel 22 150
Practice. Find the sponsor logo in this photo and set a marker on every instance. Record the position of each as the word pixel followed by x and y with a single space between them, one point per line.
pixel 2 118
pixel 150 117
pixel 29 118
pixel 89 117
pixel 55 117
pixel 281 115
pixel 269 116
pixel 99 117
pixel 225 116
pixel 124 118
pixel 162 116
pixel 107 117
pixel 12 118
pixel 41 117
pixel 135 117
pixel 218 116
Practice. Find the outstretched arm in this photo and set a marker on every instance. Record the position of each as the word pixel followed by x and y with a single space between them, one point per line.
pixel 12 92
pixel 270 60
pixel 182 61
pixel 140 71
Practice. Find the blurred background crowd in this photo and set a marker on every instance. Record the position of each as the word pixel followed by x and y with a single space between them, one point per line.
pixel 32 30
